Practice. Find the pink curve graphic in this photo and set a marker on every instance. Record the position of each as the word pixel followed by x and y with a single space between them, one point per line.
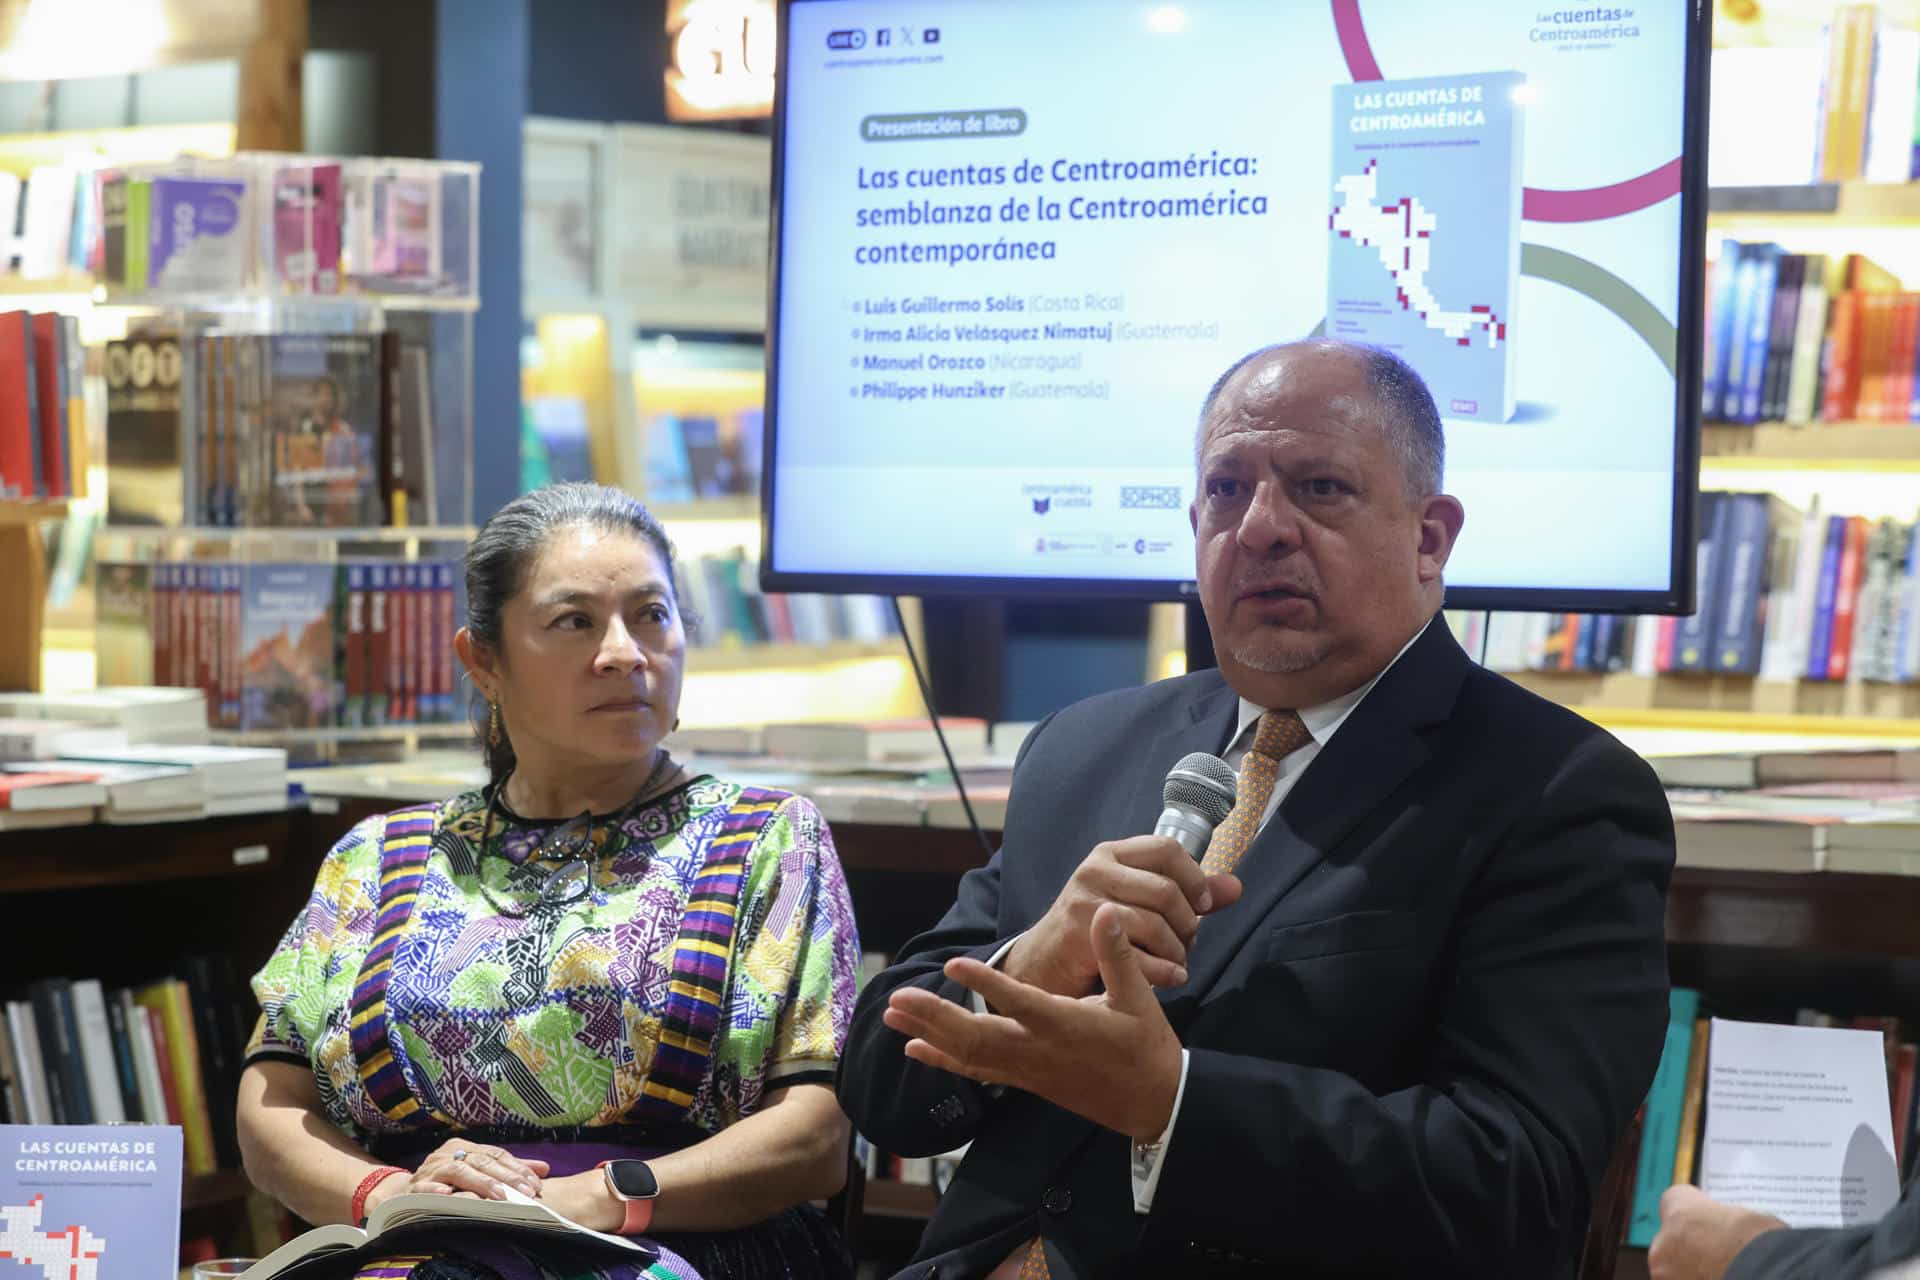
pixel 1594 204
pixel 1353 41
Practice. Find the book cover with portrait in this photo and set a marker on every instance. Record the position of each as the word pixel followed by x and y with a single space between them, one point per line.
pixel 1424 230
pixel 324 408
pixel 90 1202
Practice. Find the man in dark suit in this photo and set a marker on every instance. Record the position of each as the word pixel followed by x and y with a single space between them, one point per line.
pixel 1395 1022
pixel 1702 1239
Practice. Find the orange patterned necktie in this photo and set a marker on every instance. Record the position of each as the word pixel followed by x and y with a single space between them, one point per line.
pixel 1280 733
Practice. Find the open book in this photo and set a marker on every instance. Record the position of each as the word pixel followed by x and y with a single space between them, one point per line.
pixel 412 1221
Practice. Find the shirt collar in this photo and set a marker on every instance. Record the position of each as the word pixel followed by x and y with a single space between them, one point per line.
pixel 1324 719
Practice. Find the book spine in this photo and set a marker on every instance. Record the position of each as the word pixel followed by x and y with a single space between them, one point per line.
pixel 1659 1142
pixel 169 999
pixel 354 662
pixel 408 681
pixel 1826 588
pixel 146 1064
pixel 1719 329
pixel 379 645
pixel 230 660
pixel 1693 1105
pixel 1846 596
pixel 126 1071
pixel 51 422
pixel 1746 282
pixel 94 1034
pixel 162 1056
pixel 1697 629
pixel 55 1050
pixel 445 624
pixel 1840 385
pixel 1737 629
pixel 1760 321
pixel 18 422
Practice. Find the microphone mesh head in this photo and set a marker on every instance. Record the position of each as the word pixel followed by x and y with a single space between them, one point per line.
pixel 1203 783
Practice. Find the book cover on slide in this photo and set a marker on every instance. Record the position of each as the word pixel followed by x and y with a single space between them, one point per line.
pixel 1424 252
pixel 90 1202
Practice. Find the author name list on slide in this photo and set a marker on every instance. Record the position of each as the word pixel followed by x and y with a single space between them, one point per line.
pixel 1005 346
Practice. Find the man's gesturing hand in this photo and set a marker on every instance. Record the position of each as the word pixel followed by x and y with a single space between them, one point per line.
pixel 1159 894
pixel 1111 1058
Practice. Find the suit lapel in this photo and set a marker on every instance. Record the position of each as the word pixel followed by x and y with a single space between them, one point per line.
pixel 1205 725
pixel 1371 755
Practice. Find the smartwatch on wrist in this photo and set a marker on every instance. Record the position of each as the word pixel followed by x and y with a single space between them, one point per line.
pixel 632 1183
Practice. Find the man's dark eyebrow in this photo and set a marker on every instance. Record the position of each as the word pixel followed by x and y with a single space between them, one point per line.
pixel 574 595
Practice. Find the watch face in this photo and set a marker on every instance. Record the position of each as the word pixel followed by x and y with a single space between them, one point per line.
pixel 632 1179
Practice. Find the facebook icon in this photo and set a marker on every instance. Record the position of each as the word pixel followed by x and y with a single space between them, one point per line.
pixel 883 36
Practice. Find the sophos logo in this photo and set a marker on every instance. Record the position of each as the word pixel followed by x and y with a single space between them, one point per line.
pixel 854 39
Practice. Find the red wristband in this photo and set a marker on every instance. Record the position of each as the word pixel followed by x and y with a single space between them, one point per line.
pixel 639 1217
pixel 358 1213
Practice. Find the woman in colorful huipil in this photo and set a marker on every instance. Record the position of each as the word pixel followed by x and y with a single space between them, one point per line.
pixel 599 956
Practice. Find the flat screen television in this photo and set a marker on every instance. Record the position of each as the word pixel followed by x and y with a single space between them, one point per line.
pixel 1015 241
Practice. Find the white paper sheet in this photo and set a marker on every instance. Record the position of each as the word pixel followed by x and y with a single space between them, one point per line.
pixel 1798 1123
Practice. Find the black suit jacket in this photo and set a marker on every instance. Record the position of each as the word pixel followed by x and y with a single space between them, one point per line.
pixel 1838 1253
pixel 1413 1042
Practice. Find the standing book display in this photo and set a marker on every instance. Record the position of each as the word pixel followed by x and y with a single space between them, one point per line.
pixel 302 401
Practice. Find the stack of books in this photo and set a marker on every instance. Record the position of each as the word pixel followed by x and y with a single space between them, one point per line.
pixel 43 419
pixel 1782 594
pixel 163 1052
pixel 355 644
pixel 288 430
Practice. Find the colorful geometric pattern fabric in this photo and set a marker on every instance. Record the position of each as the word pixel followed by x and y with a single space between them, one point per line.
pixel 1279 733
pixel 580 1049
pixel 700 954
pixel 406 845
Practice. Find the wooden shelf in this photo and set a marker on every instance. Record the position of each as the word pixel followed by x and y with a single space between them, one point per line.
pixel 66 286
pixel 1733 703
pixel 99 855
pixel 1882 203
pixel 31 511
pixel 751 657
pixel 886 1198
pixel 1839 446
pixel 1820 911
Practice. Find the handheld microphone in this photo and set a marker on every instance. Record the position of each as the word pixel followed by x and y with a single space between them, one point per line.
pixel 1198 794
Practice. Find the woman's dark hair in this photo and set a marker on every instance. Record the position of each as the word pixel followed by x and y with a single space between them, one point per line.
pixel 504 549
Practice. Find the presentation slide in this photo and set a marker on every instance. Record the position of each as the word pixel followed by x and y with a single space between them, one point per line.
pixel 1020 239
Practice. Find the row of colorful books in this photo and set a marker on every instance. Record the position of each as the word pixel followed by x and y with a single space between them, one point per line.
pixel 720 596
pixel 356 644
pixel 1801 337
pixel 279 224
pixel 165 1052
pixel 1669 1141
pixel 1838 109
pixel 1782 594
pixel 43 418
pixel 287 430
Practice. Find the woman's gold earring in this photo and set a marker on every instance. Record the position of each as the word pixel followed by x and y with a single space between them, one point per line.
pixel 493 724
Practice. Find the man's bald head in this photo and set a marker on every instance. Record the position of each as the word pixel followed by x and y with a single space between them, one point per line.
pixel 1407 411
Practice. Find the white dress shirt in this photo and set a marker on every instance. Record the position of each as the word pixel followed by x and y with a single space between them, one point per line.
pixel 1322 722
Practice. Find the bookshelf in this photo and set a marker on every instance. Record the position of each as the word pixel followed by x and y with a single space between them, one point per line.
pixel 128 904
pixel 1733 703
pixel 1838 446
pixel 1858 202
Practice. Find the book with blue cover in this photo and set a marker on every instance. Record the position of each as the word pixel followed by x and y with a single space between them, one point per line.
pixel 1424 234
pixel 90 1200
